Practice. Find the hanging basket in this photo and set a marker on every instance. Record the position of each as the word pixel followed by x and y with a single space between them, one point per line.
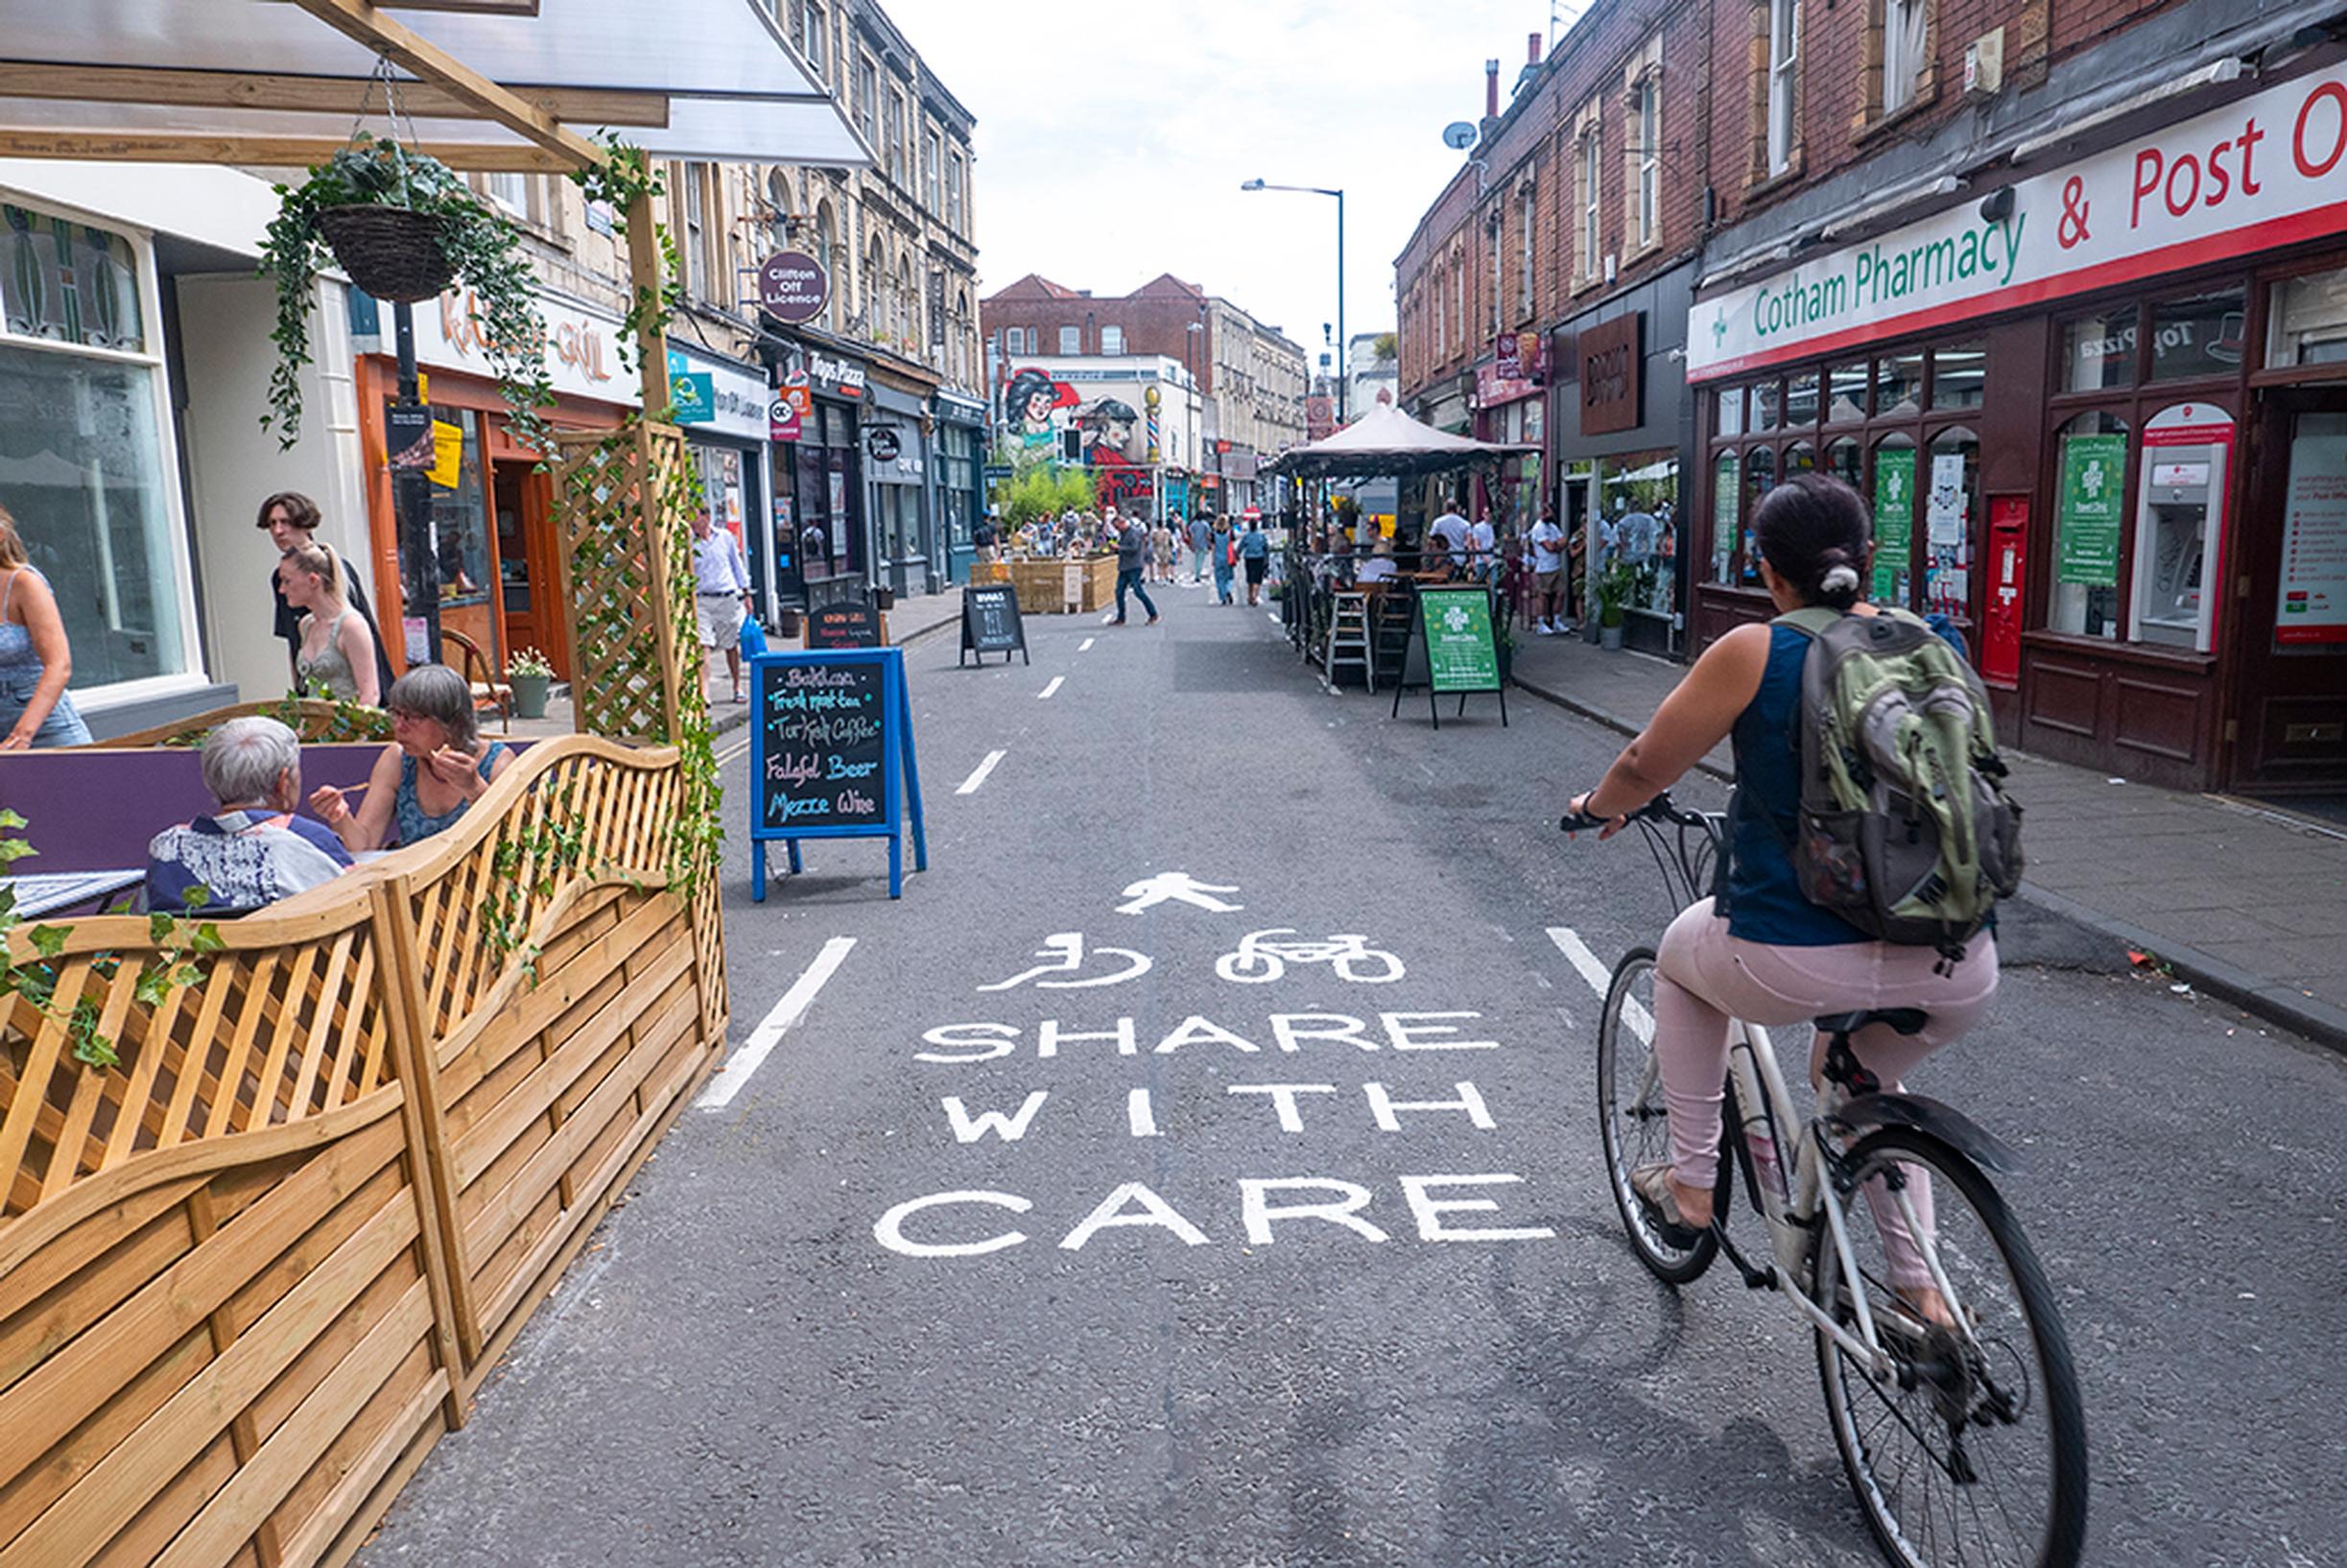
pixel 390 253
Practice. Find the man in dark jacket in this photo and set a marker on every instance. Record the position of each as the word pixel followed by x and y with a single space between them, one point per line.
pixel 1132 549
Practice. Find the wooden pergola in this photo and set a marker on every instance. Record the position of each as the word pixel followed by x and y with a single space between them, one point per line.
pixel 482 84
pixel 490 85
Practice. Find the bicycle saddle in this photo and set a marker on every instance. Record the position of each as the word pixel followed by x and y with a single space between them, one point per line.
pixel 1902 1020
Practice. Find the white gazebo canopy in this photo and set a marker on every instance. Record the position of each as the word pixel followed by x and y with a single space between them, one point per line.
pixel 1384 442
pixel 280 82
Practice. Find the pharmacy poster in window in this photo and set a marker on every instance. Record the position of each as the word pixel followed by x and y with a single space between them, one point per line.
pixel 2313 604
pixel 1894 521
pixel 2093 496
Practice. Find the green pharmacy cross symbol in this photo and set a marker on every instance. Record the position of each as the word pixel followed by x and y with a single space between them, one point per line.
pixel 1720 327
pixel 1455 620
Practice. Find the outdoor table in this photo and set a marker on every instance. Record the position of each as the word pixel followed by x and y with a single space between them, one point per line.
pixel 39 894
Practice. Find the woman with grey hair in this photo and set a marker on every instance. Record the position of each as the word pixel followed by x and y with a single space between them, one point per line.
pixel 253 850
pixel 437 765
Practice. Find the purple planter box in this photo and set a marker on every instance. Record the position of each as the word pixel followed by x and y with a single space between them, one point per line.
pixel 94 810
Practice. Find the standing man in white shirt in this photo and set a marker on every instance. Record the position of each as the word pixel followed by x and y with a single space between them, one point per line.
pixel 1452 529
pixel 1547 542
pixel 720 593
pixel 1482 561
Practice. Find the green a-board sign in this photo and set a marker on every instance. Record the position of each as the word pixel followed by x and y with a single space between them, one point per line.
pixel 1453 631
pixel 1894 521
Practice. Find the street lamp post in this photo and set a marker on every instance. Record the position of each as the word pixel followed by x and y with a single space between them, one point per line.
pixel 1342 399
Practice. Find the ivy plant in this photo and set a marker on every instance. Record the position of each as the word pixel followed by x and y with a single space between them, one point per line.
pixel 479 240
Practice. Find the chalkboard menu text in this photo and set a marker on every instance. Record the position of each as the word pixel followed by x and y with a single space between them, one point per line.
pixel 990 623
pixel 831 755
pixel 850 622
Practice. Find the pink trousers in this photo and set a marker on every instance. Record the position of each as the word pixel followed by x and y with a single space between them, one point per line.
pixel 1704 977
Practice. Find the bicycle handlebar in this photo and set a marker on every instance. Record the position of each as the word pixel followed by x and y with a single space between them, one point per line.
pixel 1660 809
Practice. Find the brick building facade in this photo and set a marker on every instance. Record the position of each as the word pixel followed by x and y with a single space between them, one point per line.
pixel 2040 279
pixel 1250 375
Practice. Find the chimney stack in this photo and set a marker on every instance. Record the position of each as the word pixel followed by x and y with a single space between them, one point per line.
pixel 1491 89
pixel 1532 49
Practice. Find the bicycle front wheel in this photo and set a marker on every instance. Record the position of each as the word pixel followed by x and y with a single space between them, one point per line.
pixel 1634 1126
pixel 1973 1450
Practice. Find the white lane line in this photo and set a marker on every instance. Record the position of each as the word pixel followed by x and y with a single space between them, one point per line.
pixel 1601 979
pixel 1085 647
pixel 1052 687
pixel 732 752
pixel 978 776
pixel 771 1030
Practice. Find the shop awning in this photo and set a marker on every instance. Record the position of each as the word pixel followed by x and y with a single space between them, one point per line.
pixel 281 82
pixel 1386 442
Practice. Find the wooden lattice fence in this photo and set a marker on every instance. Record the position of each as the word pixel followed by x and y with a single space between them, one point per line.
pixel 250 1272
pixel 622 500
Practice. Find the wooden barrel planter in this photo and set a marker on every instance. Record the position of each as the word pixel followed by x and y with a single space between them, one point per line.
pixel 251 1271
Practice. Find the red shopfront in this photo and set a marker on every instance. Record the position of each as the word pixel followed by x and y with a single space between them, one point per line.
pixel 1509 409
pixel 492 507
pixel 2118 461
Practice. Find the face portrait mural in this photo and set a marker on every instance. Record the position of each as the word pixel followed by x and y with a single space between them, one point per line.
pixel 1030 403
pixel 1108 429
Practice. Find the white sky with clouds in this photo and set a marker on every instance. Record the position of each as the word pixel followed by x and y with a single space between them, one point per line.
pixel 1111 141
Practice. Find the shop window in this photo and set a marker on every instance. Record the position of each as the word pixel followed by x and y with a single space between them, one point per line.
pixel 1801 400
pixel 2198 337
pixel 68 283
pixel 2089 500
pixel 2308 321
pixel 82 459
pixel 1845 460
pixel 1728 412
pixel 1768 406
pixel 1845 393
pixel 2310 592
pixel 1760 478
pixel 1898 385
pixel 2098 351
pixel 1727 492
pixel 1800 457
pixel 1639 500
pixel 2179 519
pixel 1894 520
pixel 1959 376
pixel 1950 495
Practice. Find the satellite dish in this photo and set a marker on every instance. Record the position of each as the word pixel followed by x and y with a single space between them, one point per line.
pixel 1459 136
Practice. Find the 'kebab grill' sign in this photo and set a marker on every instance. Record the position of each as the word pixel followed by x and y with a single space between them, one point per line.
pixel 2275 163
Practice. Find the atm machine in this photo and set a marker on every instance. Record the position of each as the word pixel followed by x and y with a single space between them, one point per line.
pixel 2179 522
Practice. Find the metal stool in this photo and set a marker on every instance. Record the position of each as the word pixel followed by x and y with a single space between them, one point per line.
pixel 1348 639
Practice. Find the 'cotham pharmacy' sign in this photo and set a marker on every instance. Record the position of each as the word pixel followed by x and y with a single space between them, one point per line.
pixel 2275 163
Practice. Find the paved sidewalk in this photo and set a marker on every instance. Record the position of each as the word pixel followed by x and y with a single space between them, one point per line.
pixel 2247 903
pixel 912 618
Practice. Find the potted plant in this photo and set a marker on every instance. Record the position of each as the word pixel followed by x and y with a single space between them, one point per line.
pixel 529 673
pixel 1614 584
pixel 405 227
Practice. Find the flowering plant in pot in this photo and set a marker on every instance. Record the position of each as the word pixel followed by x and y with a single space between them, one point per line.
pixel 1614 584
pixel 529 673
pixel 405 227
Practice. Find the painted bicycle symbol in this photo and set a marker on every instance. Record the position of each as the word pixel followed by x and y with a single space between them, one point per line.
pixel 1260 960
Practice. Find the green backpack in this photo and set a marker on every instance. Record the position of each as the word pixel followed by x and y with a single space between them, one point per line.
pixel 1905 828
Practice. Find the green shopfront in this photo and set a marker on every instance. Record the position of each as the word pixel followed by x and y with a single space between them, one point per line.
pixel 2102 426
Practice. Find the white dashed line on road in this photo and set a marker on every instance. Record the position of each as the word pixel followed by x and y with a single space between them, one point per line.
pixel 771 1030
pixel 1601 979
pixel 1085 647
pixel 978 775
pixel 1052 687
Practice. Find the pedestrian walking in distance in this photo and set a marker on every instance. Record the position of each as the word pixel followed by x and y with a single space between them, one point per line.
pixel 1132 549
pixel 720 593
pixel 1225 552
pixel 1548 561
pixel 1201 539
pixel 1255 556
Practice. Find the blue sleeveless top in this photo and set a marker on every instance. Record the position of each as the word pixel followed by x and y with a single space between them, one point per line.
pixel 414 823
pixel 1763 898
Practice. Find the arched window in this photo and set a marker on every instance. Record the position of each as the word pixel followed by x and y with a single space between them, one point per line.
pixel 1951 497
pixel 1842 460
pixel 834 257
pixel 2090 492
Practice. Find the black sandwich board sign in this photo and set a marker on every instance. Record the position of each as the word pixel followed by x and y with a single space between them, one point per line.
pixel 1454 646
pixel 990 623
pixel 831 756
pixel 850 622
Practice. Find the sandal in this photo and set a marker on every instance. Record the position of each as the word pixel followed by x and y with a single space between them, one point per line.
pixel 1652 1185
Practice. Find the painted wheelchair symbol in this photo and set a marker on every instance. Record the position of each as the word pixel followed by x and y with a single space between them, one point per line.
pixel 1065 955
pixel 1260 960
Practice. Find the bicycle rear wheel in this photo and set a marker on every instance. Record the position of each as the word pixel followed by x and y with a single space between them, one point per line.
pixel 1633 1124
pixel 1973 1452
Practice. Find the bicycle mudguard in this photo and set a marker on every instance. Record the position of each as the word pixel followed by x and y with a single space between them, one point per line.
pixel 1952 1126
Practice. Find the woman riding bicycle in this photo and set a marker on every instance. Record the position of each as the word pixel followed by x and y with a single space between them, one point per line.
pixel 1763 952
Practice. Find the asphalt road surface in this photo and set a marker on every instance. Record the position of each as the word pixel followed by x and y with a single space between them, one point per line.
pixel 1058 1228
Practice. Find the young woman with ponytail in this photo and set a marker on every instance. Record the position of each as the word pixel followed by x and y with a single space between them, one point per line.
pixel 1762 951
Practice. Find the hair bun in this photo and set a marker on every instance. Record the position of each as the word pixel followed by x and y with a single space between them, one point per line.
pixel 1839 580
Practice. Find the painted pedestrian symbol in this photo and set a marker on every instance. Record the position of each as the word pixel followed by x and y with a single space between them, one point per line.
pixel 1259 960
pixel 1168 886
pixel 1065 952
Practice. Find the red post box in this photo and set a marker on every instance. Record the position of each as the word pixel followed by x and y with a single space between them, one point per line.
pixel 2008 549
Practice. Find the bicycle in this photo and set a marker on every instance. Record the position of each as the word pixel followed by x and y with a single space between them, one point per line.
pixel 1913 1402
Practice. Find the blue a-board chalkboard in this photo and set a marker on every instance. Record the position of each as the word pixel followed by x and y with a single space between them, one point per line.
pixel 831 756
